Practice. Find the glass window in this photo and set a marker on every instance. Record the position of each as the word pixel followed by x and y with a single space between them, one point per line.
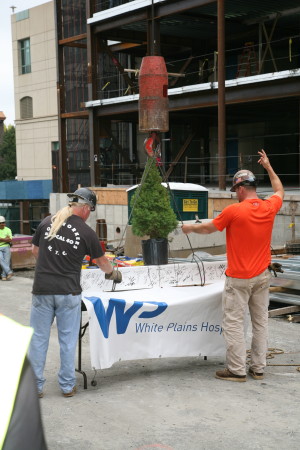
pixel 25 59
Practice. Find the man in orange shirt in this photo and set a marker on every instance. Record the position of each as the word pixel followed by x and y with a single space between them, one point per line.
pixel 248 226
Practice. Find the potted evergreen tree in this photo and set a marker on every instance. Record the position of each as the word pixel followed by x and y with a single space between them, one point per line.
pixel 152 215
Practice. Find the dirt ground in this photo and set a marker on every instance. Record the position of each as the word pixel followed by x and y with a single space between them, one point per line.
pixel 172 403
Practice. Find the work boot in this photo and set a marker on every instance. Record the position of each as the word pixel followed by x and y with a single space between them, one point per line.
pixel 229 376
pixel 255 375
pixel 71 393
pixel 3 278
pixel 8 277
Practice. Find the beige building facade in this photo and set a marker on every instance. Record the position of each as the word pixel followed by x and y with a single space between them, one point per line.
pixel 35 75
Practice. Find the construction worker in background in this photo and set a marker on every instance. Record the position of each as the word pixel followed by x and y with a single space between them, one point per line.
pixel 60 244
pixel 20 417
pixel 5 240
pixel 248 226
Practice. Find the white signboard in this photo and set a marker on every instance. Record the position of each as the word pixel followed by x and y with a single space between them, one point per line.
pixel 154 323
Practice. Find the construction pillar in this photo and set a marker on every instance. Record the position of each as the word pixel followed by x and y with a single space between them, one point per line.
pixel 91 58
pixel 63 165
pixel 221 96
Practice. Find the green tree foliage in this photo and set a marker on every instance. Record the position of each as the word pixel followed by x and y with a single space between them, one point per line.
pixel 152 214
pixel 8 154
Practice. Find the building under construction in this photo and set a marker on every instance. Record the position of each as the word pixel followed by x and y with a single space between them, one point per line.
pixel 233 88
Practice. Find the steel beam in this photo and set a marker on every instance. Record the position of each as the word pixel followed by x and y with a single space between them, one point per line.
pixel 162 10
pixel 180 153
pixel 72 39
pixel 199 100
pixel 119 22
pixel 75 115
pixel 180 6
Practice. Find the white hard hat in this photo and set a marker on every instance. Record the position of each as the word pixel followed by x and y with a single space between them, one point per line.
pixel 2 219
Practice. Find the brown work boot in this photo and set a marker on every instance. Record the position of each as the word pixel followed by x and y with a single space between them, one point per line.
pixel 71 393
pixel 229 376
pixel 8 277
pixel 255 375
pixel 40 394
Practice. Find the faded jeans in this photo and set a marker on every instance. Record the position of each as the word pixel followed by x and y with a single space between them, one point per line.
pixel 67 310
pixel 238 294
pixel 5 260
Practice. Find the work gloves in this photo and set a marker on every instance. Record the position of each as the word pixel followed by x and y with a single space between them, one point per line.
pixel 115 276
pixel 275 267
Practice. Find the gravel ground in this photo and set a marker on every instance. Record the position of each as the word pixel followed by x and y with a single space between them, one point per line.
pixel 168 403
pixel 25 273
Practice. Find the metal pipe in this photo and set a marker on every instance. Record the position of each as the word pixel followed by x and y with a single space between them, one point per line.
pixel 152 30
pixel 289 300
pixel 221 96
pixel 259 48
pixel 185 168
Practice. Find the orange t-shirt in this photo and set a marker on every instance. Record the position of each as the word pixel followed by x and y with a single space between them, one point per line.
pixel 248 235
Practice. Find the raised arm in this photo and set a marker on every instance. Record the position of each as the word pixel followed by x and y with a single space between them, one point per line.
pixel 274 179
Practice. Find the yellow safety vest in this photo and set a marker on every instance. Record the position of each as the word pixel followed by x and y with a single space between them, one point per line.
pixel 14 342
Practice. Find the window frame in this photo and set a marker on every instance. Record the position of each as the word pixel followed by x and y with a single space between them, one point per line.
pixel 25 56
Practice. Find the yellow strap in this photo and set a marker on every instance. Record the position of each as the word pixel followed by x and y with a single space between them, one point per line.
pixel 14 342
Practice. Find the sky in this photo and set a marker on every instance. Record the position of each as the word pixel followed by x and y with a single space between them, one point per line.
pixel 6 65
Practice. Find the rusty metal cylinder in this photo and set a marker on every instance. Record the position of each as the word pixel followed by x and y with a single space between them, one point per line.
pixel 153 100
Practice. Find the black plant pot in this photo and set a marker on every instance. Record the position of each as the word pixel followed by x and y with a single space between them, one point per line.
pixel 155 251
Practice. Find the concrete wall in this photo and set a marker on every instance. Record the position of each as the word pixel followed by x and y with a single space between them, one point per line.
pixel 34 136
pixel 287 221
pixel 112 207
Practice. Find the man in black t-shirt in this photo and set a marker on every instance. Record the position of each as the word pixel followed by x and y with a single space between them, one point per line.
pixel 60 244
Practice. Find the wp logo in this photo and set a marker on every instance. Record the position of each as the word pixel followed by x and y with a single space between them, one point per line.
pixel 122 317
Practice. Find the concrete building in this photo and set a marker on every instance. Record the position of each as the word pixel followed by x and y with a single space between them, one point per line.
pixel 35 74
pixel 239 91
pixel 25 201
pixel 237 87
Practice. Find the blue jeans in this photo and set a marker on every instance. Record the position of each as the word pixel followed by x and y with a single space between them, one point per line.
pixel 5 260
pixel 67 310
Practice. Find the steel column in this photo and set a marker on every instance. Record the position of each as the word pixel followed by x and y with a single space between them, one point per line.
pixel 63 168
pixel 299 141
pixel 91 57
pixel 221 96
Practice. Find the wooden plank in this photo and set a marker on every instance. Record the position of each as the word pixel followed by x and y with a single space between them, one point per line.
pixel 278 289
pixel 111 196
pixel 284 310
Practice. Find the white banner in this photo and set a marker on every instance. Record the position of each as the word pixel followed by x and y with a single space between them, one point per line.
pixel 148 277
pixel 154 323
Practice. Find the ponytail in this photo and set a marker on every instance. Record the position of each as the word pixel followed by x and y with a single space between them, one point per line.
pixel 58 219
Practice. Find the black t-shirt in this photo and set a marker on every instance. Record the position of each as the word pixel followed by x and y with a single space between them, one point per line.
pixel 59 261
